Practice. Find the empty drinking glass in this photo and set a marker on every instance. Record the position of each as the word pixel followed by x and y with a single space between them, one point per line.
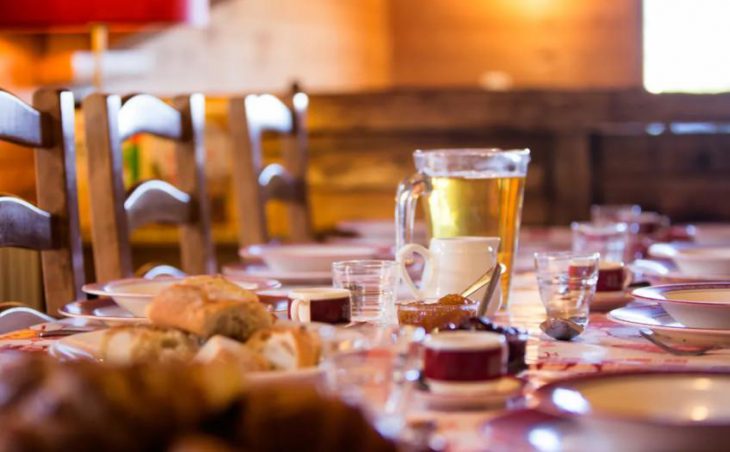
pixel 372 285
pixel 567 282
pixel 608 239
pixel 378 375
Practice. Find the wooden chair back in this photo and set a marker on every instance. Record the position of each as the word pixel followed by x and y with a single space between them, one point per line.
pixel 51 226
pixel 255 183
pixel 115 212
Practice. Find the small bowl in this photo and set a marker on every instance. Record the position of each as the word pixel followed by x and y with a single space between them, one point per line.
pixel 311 257
pixel 431 315
pixel 134 294
pixel 654 410
pixel 700 305
pixel 703 260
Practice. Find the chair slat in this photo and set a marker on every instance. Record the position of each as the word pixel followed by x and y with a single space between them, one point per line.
pixel 156 201
pixel 255 184
pixel 19 122
pixel 143 113
pixel 24 225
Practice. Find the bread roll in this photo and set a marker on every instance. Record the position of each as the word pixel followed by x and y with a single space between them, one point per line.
pixel 206 306
pixel 144 343
pixel 286 347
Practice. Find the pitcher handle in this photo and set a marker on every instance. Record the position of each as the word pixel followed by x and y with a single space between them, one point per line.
pixel 426 277
pixel 409 190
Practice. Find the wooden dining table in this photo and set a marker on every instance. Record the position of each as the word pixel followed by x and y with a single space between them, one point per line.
pixel 605 346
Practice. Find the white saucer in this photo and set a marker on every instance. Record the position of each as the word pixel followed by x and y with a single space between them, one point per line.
pixel 318 277
pixel 606 301
pixel 100 309
pixel 656 319
pixel 657 273
pixel 508 388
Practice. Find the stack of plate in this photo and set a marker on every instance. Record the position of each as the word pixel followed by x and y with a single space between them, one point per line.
pixel 697 313
pixel 125 300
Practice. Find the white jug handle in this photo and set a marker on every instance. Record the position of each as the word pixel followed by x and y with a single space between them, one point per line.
pixel 427 275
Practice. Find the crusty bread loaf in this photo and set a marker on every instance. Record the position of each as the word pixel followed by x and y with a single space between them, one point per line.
pixel 220 349
pixel 206 306
pixel 286 347
pixel 146 343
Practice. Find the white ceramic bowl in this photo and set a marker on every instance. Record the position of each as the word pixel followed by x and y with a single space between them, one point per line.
pixel 696 305
pixel 712 233
pixel 701 260
pixel 652 410
pixel 134 294
pixel 312 257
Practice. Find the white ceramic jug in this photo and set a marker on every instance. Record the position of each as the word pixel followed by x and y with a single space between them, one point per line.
pixel 450 265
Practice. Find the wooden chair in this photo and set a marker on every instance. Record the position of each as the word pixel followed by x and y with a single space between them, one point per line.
pixel 256 184
pixel 51 226
pixel 115 213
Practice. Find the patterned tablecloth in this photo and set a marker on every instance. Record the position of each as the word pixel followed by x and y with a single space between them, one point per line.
pixel 604 346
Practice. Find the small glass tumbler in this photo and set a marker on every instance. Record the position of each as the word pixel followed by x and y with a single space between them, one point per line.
pixel 378 375
pixel 372 284
pixel 608 239
pixel 567 282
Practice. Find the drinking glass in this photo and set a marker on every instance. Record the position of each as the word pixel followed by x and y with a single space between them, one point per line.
pixel 608 239
pixel 372 285
pixel 466 192
pixel 379 375
pixel 567 282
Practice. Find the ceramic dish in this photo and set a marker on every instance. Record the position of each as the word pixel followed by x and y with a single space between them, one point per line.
pixel 102 309
pixel 712 233
pixel 508 388
pixel 693 259
pixel 677 410
pixel 312 257
pixel 88 346
pixel 530 430
pixel 656 319
pixel 288 278
pixel 695 305
pixel 134 294
pixel 606 301
pixel 657 273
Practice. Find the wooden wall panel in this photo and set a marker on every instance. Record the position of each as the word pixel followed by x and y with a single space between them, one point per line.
pixel 536 43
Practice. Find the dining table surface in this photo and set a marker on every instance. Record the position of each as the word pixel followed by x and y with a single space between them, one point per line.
pixel 604 346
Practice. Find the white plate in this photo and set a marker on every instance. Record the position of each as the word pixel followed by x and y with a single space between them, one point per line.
pixel 508 388
pixel 605 301
pixel 656 319
pixel 695 259
pixel 134 294
pixel 309 278
pixel 308 256
pixel 667 410
pixel 88 346
pixel 658 272
pixel 101 309
pixel 697 305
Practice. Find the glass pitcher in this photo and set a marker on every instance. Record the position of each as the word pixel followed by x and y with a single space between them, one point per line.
pixel 466 192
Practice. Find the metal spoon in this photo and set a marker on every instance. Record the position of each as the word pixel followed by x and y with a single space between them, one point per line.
pixel 496 273
pixel 649 335
pixel 561 329
pixel 478 284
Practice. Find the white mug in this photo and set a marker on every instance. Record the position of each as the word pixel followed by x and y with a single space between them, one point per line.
pixel 320 304
pixel 451 264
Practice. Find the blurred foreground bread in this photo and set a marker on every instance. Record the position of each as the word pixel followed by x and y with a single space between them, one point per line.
pixel 49 406
pixel 85 406
pixel 209 305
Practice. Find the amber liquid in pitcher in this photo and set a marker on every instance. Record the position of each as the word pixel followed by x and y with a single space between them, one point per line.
pixel 478 206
